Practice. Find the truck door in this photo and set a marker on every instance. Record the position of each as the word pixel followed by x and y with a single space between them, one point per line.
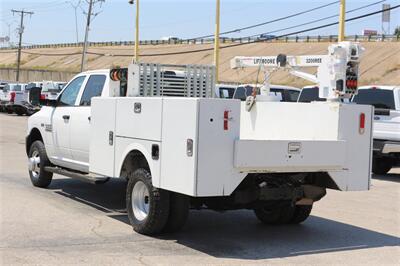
pixel 61 121
pixel 80 124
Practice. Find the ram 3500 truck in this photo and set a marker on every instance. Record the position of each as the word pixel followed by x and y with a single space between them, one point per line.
pixel 180 148
pixel 386 100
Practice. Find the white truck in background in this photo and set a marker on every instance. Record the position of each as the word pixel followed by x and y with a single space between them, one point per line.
pixel 13 94
pixel 386 100
pixel 180 148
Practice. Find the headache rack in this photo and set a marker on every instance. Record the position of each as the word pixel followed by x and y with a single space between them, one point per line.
pixel 147 79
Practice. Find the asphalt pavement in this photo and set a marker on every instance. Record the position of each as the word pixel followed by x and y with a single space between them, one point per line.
pixel 77 223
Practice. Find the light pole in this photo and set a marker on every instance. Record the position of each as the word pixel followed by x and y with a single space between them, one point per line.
pixel 216 41
pixel 136 58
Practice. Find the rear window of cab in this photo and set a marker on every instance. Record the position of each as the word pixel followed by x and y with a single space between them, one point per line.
pixel 379 98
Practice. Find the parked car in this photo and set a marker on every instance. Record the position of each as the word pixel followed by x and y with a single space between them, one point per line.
pixel 51 89
pixel 386 100
pixel 13 94
pixel 266 37
pixel 225 91
pixel 286 93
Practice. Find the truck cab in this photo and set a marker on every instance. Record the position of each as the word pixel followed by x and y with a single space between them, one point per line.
pixel 66 123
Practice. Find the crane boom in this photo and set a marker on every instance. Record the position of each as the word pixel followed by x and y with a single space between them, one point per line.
pixel 337 72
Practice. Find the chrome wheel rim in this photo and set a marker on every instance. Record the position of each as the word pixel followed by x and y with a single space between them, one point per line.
pixel 140 201
pixel 34 163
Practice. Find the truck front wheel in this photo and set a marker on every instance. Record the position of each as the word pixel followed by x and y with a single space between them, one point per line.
pixel 147 206
pixel 38 160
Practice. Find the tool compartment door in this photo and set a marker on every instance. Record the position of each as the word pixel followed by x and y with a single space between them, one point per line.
pixel 289 156
pixel 102 136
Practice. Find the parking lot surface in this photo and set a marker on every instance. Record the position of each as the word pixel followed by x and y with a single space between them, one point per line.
pixel 77 223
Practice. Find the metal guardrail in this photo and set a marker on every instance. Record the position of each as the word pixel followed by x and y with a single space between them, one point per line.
pixel 318 38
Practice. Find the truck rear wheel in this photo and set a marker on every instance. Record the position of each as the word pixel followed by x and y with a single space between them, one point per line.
pixel 147 206
pixel 280 214
pixel 283 214
pixel 381 166
pixel 38 160
pixel 301 213
pixel 178 212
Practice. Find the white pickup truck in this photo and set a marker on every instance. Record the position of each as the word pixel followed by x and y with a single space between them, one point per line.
pixel 180 148
pixel 386 100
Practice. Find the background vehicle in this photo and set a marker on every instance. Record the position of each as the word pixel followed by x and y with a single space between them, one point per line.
pixel 386 100
pixel 286 93
pixel 13 93
pixel 51 89
pixel 310 94
pixel 266 36
pixel 225 91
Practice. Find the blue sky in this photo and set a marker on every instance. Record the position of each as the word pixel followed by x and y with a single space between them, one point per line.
pixel 54 21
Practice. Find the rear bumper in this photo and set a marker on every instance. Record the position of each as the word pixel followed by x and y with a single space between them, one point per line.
pixel 386 146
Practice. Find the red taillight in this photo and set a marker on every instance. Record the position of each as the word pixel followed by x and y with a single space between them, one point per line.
pixel 42 96
pixel 226 119
pixel 12 94
pixel 361 128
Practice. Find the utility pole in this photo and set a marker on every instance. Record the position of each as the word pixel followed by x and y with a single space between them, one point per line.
pixel 20 32
pixel 75 7
pixel 342 18
pixel 216 41
pixel 83 64
pixel 136 57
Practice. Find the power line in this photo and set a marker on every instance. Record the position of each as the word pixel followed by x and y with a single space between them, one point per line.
pixel 321 19
pixel 268 22
pixel 20 32
pixel 280 36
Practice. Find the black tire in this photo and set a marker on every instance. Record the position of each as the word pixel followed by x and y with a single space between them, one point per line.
pixel 301 213
pixel 381 166
pixel 178 212
pixel 281 214
pixel 19 113
pixel 158 204
pixel 40 178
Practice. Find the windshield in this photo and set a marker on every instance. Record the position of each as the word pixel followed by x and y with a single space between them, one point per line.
pixel 378 98
pixel 15 87
pixel 242 92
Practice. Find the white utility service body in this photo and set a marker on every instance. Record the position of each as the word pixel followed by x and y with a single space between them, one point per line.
pixel 272 137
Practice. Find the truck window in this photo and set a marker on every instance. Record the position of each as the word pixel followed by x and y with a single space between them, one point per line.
pixel 16 88
pixel 68 97
pixel 93 88
pixel 291 96
pixel 376 97
pixel 226 93
pixel 308 95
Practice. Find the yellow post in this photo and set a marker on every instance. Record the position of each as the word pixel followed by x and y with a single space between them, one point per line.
pixel 137 33
pixel 342 18
pixel 216 42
